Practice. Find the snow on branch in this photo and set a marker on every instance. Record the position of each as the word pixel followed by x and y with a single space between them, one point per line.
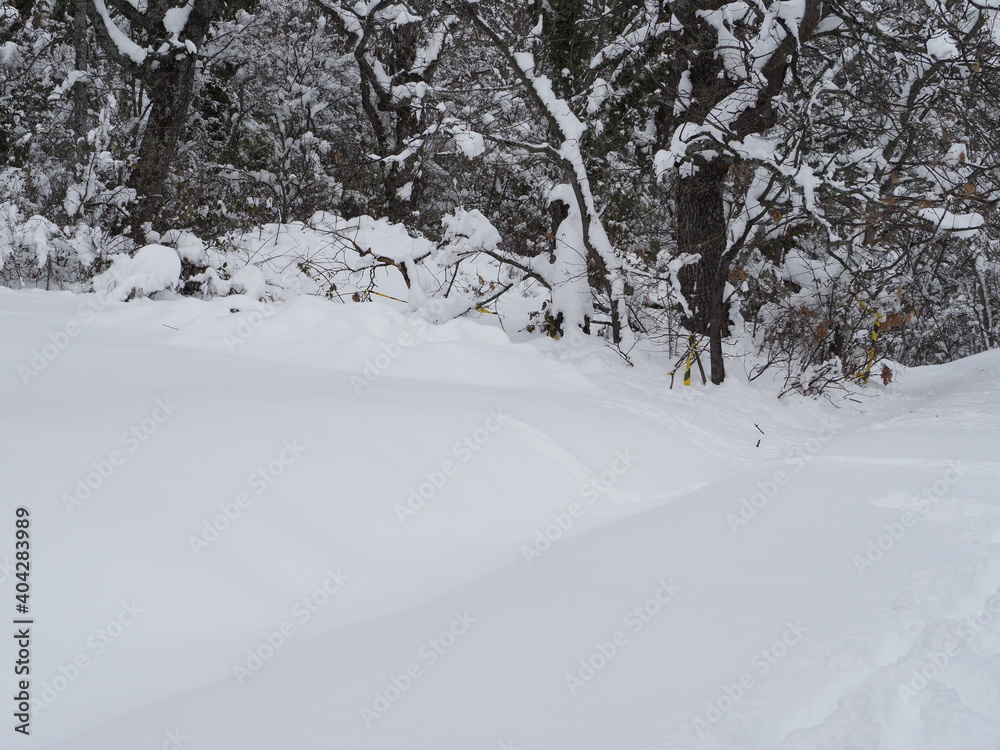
pixel 125 46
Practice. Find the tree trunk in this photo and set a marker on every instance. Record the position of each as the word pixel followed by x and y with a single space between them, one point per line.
pixel 399 174
pixel 701 230
pixel 168 79
pixel 81 96
pixel 170 96
pixel 701 221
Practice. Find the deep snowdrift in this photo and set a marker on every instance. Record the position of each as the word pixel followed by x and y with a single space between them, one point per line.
pixel 319 526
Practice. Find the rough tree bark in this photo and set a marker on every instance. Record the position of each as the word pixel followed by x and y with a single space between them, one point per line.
pixel 170 91
pixel 166 68
pixel 700 186
pixel 701 230
pixel 81 47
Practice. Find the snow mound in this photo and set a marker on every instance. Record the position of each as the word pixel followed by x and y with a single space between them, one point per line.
pixel 154 268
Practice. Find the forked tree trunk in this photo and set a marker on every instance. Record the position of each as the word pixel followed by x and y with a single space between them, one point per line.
pixel 701 220
pixel 166 70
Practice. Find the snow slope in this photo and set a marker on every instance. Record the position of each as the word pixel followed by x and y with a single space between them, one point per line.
pixel 727 570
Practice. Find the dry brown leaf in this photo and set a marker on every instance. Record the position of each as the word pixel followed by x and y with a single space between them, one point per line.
pixel 894 320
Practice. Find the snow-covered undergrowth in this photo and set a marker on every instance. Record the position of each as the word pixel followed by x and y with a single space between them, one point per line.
pixel 328 256
pixel 318 525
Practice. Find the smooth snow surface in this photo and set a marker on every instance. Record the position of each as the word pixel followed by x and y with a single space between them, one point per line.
pixel 320 525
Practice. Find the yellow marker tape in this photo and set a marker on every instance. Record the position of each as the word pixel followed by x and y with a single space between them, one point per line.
pixel 395 299
pixel 865 374
pixel 692 350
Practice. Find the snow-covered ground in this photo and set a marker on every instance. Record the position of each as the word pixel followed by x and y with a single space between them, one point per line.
pixel 337 526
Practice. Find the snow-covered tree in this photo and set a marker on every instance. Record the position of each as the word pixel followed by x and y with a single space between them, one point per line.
pixel 157 44
pixel 397 48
